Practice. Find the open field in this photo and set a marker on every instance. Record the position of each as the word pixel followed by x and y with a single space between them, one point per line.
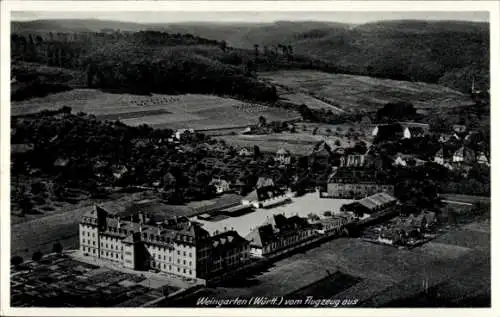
pixel 300 98
pixel 366 93
pixel 160 111
pixel 300 143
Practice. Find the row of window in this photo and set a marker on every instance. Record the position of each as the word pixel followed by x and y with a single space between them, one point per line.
pixel 88 241
pixel 164 266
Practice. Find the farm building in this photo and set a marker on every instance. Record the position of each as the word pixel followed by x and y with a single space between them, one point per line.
pixel 354 184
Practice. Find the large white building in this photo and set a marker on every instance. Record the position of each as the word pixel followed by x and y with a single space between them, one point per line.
pixel 177 246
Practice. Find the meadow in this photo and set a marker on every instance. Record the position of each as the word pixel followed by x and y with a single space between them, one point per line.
pixel 160 111
pixel 351 92
pixel 303 141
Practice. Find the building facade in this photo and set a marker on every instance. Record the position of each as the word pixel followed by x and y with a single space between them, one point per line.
pixel 355 185
pixel 280 236
pixel 177 246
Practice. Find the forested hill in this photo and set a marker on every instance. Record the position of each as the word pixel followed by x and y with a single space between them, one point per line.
pixel 445 52
pixel 145 62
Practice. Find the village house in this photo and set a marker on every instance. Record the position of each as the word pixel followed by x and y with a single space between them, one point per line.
pixel 482 159
pixel 177 246
pixel 413 132
pixel 407 160
pixel 283 156
pixel 221 185
pixel 352 160
pixel 464 155
pixel 245 152
pixel 459 128
pixel 180 132
pixel 354 184
pixel 279 236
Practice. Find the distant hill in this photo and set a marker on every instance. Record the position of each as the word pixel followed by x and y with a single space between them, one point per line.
pixel 445 52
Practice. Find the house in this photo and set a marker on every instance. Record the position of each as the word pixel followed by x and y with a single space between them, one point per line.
pixel 119 171
pixel 61 162
pixel 446 137
pixel 279 236
pixel 180 132
pixel 413 132
pixel 354 184
pixel 481 158
pixel 352 160
pixel 459 128
pixel 388 132
pixel 464 155
pixel 245 152
pixel 221 185
pixel 283 156
pixel 407 160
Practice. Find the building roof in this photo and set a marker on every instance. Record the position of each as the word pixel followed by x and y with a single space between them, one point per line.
pixel 352 176
pixel 389 130
pixel 263 182
pixel 236 209
pixel 252 196
pixel 416 131
pixel 227 239
pixel 282 151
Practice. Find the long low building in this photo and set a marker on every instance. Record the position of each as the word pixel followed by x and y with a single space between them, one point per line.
pixel 178 246
pixel 370 204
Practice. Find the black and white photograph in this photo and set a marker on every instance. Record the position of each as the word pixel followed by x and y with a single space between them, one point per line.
pixel 256 158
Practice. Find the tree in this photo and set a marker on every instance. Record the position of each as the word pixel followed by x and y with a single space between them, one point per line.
pixel 262 121
pixel 37 256
pixel 256 50
pixel 57 248
pixel 223 46
pixel 256 152
pixel 16 260
pixel 26 204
